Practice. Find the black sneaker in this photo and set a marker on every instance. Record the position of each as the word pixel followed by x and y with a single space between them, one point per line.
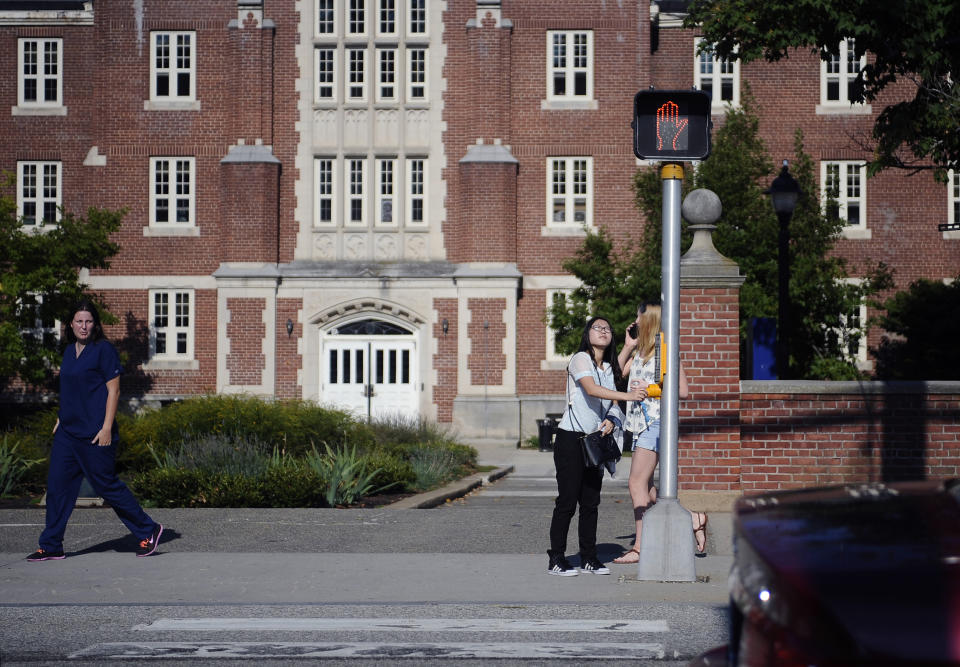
pixel 43 554
pixel 593 566
pixel 561 567
pixel 149 545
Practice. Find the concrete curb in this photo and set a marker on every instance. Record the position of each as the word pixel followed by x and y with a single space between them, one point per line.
pixel 456 489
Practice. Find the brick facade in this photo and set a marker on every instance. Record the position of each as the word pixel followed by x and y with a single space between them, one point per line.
pixel 490 244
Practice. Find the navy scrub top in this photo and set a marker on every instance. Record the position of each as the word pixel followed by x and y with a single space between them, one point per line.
pixel 83 388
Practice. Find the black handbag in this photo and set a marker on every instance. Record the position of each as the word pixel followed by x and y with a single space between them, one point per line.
pixel 599 448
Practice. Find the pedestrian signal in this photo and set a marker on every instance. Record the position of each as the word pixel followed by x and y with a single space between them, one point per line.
pixel 671 125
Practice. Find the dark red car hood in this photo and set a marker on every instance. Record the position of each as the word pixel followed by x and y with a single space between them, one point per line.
pixel 878 563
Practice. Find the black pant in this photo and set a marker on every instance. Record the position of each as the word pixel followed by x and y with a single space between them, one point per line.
pixel 576 483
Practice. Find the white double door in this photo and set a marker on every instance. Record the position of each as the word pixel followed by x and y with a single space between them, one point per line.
pixel 370 378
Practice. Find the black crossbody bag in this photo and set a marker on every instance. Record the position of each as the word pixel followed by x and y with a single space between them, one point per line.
pixel 597 447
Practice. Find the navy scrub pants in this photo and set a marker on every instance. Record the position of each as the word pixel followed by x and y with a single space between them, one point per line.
pixel 71 460
pixel 576 485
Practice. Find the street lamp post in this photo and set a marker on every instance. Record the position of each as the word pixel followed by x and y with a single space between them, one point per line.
pixel 784 192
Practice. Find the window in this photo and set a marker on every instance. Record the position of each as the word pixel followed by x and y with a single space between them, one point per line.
pixel 953 197
pixel 43 326
pixel 416 75
pixel 718 78
pixel 386 75
pixel 171 324
pixel 357 17
pixel 843 185
pixel 326 24
pixel 173 67
pixel 40 83
pixel 356 77
pixel 38 193
pixel 326 67
pixel 385 192
pixel 325 188
pixel 417 11
pixel 569 188
pixel 837 74
pixel 416 193
pixel 387 17
pixel 356 211
pixel 570 65
pixel 555 297
pixel 172 191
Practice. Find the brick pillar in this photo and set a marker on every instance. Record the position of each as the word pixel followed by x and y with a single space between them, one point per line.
pixel 488 206
pixel 249 195
pixel 709 457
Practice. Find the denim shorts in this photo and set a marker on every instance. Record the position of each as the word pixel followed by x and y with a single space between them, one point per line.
pixel 648 439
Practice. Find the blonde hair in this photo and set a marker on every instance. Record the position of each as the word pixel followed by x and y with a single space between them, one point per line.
pixel 649 328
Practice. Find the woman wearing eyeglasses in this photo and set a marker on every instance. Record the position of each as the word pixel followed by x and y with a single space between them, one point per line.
pixel 592 377
pixel 641 356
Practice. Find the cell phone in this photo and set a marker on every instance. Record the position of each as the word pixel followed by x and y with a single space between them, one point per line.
pixel 633 330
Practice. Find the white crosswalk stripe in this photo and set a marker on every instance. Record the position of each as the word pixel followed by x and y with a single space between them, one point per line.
pixel 368 650
pixel 402 624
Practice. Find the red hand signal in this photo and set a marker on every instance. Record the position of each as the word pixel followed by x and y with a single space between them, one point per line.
pixel 669 125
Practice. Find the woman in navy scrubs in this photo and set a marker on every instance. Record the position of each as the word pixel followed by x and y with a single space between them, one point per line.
pixel 85 438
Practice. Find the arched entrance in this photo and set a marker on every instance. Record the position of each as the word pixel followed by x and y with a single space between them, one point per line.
pixel 368 366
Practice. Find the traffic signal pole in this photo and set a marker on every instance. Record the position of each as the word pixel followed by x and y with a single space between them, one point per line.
pixel 666 547
pixel 671 127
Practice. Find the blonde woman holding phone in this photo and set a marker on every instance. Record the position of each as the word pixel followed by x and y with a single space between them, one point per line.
pixel 641 358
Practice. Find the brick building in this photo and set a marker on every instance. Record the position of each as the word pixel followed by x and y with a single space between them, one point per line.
pixel 366 203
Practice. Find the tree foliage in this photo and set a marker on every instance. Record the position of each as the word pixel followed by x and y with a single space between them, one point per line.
pixel 39 283
pixel 914 41
pixel 924 327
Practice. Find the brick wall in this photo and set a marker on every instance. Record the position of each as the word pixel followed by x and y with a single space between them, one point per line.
pixel 245 331
pixel 289 359
pixel 445 360
pixel 832 434
pixel 486 361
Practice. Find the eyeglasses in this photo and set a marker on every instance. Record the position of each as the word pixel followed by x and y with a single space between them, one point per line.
pixel 601 329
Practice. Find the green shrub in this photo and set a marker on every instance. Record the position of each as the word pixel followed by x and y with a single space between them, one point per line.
pixel 394 471
pixel 13 466
pixel 218 452
pixel 346 474
pixel 175 487
pixel 291 425
pixel 292 483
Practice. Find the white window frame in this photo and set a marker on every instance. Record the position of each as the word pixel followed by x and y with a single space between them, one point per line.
pixel 860 355
pixel 356 77
pixel 576 182
pixel 330 26
pixel 851 188
pixel 357 11
pixel 550 352
pixel 386 76
pixel 174 67
pixel 174 303
pixel 322 86
pixel 953 203
pixel 707 68
pixel 39 330
pixel 325 171
pixel 388 7
pixel 838 69
pixel 173 164
pixel 414 9
pixel 355 190
pixel 40 74
pixel 35 188
pixel 417 75
pixel 386 192
pixel 415 175
pixel 564 59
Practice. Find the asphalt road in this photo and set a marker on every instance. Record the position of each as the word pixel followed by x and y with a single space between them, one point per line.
pixel 462 583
